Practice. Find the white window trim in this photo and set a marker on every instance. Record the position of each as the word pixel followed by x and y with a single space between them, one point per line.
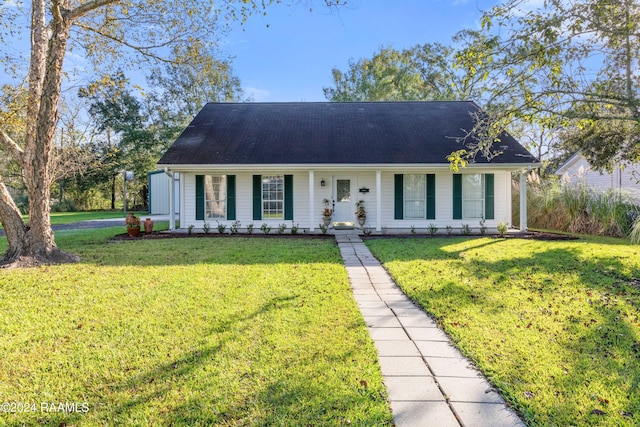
pixel 267 213
pixel 477 198
pixel 222 190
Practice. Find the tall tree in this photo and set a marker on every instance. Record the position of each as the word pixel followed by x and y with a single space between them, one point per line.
pixel 194 76
pixel 424 72
pixel 104 30
pixel 124 143
pixel 570 64
pixel 179 89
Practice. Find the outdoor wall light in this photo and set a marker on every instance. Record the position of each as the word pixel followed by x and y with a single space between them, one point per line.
pixel 322 183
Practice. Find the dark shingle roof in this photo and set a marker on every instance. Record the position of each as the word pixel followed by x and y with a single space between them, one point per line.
pixel 330 133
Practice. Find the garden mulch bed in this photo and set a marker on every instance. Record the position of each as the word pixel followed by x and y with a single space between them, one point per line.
pixel 169 235
pixel 534 235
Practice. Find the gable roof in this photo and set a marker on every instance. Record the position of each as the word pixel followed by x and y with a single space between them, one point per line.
pixel 331 133
pixel 576 157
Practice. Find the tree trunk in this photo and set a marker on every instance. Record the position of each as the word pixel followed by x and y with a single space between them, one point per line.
pixel 34 244
pixel 113 193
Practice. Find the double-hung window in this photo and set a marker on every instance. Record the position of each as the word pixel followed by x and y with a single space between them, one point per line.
pixel 273 197
pixel 415 196
pixel 215 196
pixel 473 196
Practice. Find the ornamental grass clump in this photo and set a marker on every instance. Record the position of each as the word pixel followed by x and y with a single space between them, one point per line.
pixel 576 208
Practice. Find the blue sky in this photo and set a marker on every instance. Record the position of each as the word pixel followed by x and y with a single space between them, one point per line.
pixel 292 58
pixel 288 54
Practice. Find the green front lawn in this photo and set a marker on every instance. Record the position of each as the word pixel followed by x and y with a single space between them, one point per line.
pixel 221 331
pixel 555 325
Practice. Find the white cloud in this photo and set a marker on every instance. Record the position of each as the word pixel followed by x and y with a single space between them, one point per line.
pixel 256 94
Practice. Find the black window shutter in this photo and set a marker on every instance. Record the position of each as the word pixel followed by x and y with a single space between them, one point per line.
pixel 231 197
pixel 257 197
pixel 488 197
pixel 199 197
pixel 457 196
pixel 431 196
pixel 398 188
pixel 288 197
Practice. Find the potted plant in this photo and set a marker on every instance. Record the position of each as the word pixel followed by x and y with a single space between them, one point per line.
pixel 133 225
pixel 327 212
pixel 361 213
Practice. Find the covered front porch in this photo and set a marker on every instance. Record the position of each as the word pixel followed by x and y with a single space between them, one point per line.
pixel 309 192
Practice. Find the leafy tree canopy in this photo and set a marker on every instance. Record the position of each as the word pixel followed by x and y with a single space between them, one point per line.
pixel 424 72
pixel 569 65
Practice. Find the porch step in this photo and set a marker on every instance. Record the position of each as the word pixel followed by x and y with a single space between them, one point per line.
pixel 344 225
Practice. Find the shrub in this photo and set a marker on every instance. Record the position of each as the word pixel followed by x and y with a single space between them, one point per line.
pixel 323 228
pixel 65 205
pixel 282 228
pixel 502 228
pixel 265 228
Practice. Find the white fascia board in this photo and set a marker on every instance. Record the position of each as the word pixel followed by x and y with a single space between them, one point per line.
pixel 569 163
pixel 350 167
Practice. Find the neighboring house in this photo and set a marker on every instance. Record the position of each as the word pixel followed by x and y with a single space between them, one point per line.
pixel 275 163
pixel 623 178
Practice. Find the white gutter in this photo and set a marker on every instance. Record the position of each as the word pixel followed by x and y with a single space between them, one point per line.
pixel 349 166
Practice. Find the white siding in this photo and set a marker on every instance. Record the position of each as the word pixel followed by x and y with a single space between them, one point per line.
pixel 159 193
pixel 304 219
pixel 578 170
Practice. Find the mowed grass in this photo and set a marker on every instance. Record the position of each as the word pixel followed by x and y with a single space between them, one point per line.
pixel 211 331
pixel 555 325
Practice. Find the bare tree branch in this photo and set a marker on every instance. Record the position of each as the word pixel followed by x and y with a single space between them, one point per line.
pixel 15 149
pixel 85 8
pixel 144 50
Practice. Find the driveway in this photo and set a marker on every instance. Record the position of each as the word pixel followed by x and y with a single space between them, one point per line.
pixel 100 223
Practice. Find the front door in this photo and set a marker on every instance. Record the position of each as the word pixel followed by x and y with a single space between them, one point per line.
pixel 343 195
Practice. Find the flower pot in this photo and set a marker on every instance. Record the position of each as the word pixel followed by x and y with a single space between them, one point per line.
pixel 361 221
pixel 148 226
pixel 133 231
pixel 326 220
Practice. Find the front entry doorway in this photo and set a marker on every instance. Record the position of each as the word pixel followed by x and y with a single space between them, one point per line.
pixel 343 211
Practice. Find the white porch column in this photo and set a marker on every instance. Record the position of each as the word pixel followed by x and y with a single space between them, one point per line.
pixel 312 197
pixel 172 205
pixel 523 200
pixel 378 201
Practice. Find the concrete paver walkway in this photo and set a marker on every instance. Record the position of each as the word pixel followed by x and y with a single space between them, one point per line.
pixel 429 383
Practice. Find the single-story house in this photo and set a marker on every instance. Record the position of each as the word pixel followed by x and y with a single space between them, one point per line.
pixel 624 178
pixel 277 163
